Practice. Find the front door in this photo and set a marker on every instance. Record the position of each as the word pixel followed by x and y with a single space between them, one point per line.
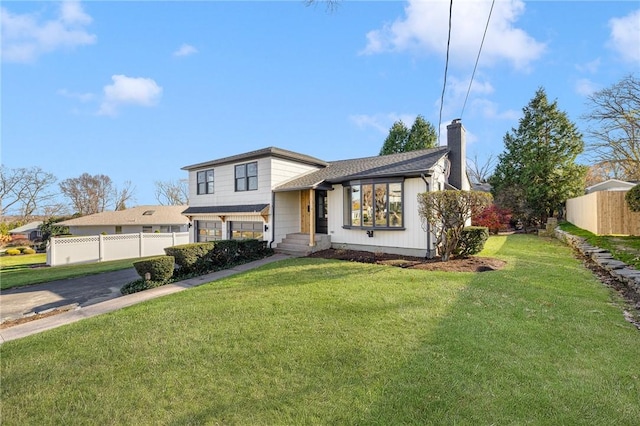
pixel 322 213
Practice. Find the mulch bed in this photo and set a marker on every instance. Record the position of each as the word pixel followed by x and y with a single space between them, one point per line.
pixel 465 264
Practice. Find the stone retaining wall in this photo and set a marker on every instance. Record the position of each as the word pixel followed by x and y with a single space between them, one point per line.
pixel 618 270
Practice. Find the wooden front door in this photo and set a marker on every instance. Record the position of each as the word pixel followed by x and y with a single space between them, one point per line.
pixel 305 208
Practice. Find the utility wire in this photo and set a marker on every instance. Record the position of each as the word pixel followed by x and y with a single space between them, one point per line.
pixel 477 59
pixel 446 67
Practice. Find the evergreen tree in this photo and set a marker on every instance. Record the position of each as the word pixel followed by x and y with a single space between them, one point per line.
pixel 422 135
pixel 539 162
pixel 395 141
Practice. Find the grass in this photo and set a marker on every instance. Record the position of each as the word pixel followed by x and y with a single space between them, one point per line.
pixel 624 248
pixel 22 270
pixel 314 341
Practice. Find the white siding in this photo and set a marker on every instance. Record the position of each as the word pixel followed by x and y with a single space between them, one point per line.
pixel 287 214
pixel 411 240
pixel 285 170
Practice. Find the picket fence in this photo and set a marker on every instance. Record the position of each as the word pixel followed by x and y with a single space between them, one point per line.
pixel 100 248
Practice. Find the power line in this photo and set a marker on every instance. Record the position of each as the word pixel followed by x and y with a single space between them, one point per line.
pixel 446 67
pixel 477 59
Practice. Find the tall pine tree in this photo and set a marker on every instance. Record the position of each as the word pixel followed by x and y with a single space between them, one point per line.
pixel 537 172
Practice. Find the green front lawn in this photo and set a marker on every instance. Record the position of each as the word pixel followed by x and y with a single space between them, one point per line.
pixel 33 270
pixel 314 341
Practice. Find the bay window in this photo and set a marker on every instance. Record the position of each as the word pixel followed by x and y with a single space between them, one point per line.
pixel 374 204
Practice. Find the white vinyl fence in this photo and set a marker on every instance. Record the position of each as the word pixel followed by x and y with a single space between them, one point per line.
pixel 100 248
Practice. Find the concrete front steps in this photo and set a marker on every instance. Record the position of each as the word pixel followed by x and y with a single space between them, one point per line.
pixel 298 244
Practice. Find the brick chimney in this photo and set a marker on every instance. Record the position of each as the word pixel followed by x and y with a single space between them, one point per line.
pixel 457 144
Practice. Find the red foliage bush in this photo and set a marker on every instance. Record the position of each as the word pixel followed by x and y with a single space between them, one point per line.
pixel 493 217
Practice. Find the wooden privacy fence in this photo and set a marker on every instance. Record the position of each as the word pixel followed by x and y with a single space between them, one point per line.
pixel 603 213
pixel 100 248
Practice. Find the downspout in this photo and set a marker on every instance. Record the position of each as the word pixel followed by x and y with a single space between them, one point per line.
pixel 273 218
pixel 428 256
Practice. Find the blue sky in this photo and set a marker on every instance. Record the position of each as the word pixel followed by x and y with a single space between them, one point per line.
pixel 137 90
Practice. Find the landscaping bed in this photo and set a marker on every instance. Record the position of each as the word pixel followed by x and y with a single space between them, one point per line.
pixel 462 264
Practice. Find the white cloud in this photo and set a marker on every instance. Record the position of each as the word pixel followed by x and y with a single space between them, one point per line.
pixel 625 36
pixel 489 110
pixel 424 28
pixel 185 50
pixel 129 90
pixel 585 87
pixel 382 122
pixel 82 97
pixel 589 67
pixel 24 38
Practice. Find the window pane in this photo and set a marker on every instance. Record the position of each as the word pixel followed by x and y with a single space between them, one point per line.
pixel 252 169
pixel 209 175
pixel 395 205
pixel 240 171
pixel 355 205
pixel 253 183
pixel 381 204
pixel 241 184
pixel 200 177
pixel 209 187
pixel 367 205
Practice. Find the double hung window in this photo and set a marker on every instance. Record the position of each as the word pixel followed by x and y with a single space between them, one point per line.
pixel 205 182
pixel 246 176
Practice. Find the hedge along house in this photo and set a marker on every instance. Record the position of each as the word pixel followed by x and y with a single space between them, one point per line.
pixel 300 204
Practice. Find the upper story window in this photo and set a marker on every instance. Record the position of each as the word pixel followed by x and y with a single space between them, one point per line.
pixel 247 176
pixel 374 205
pixel 205 182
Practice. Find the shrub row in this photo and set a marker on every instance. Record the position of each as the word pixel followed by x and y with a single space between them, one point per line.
pixel 20 250
pixel 194 259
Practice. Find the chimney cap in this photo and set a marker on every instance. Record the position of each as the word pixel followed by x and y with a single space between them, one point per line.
pixel 456 121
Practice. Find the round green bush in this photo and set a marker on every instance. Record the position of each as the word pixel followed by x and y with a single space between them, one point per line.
pixel 633 198
pixel 159 268
pixel 13 252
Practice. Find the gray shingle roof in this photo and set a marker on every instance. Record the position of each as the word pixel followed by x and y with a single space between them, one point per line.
pixel 264 152
pixel 405 164
pixel 162 215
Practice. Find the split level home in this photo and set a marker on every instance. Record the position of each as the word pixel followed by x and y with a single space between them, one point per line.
pixel 299 204
pixel 134 220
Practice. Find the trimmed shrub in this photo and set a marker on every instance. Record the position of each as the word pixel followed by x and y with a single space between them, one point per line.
pixel 28 251
pixel 632 198
pixel 227 253
pixel 13 252
pixel 472 240
pixel 159 268
pixel 187 255
pixel 140 285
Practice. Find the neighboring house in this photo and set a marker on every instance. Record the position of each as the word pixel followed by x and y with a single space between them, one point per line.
pixel 30 231
pixel 129 221
pixel 299 203
pixel 611 185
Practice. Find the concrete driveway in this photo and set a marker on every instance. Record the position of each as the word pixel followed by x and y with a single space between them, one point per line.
pixel 82 291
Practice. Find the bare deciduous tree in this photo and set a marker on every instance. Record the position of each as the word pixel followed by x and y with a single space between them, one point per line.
pixel 88 194
pixel 614 135
pixel 172 193
pixel 480 172
pixel 604 170
pixel 122 196
pixel 25 190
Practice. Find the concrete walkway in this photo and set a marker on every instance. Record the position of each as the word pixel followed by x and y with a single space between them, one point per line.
pixel 116 301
